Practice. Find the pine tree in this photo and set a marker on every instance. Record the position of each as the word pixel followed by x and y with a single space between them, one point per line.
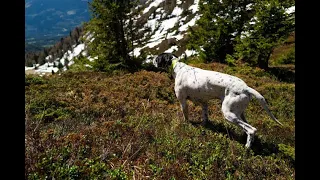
pixel 75 34
pixel 112 42
pixel 60 66
pixel 270 26
pixel 221 22
pixel 41 59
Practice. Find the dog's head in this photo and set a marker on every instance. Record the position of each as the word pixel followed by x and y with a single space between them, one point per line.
pixel 164 60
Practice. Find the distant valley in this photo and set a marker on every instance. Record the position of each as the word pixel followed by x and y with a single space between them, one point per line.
pixel 46 21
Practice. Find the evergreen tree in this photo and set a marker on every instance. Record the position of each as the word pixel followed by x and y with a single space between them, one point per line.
pixel 221 22
pixel 75 34
pixel 41 59
pixel 60 66
pixel 246 29
pixel 112 43
pixel 270 26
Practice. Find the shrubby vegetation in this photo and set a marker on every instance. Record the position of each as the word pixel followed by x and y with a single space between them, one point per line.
pixel 120 125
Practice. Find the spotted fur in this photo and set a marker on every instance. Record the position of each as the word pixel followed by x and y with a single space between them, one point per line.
pixel 200 86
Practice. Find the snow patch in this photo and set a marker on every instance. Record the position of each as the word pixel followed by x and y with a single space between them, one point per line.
pixel 171 49
pixel 46 68
pixel 192 22
pixel 28 68
pixel 291 10
pixel 195 6
pixel 248 6
pixel 48 57
pixel 149 59
pixel 92 59
pixel 177 11
pixel 136 52
pixel 154 3
pixel 188 53
pixel 191 52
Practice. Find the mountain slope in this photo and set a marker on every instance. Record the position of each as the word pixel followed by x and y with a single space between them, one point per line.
pixel 165 25
pixel 164 30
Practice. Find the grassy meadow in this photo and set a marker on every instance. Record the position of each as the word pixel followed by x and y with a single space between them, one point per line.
pixel 121 125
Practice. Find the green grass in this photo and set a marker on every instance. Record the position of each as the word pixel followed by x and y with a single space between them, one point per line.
pixel 93 125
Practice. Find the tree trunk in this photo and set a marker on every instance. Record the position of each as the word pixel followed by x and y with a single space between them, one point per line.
pixel 124 46
pixel 263 60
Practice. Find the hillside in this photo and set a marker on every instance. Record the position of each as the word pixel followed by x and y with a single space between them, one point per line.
pixel 93 125
pixel 164 26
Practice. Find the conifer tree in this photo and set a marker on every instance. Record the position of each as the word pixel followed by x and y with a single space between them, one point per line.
pixel 221 22
pixel 270 26
pixel 112 39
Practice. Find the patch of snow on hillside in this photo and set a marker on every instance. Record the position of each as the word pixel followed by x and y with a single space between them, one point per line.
pixel 165 25
pixel 84 53
pixel 291 10
pixel 137 7
pixel 171 49
pixel 253 20
pixel 92 59
pixel 46 68
pixel 152 44
pixel 177 11
pixel 159 9
pixel 192 22
pixel 152 24
pixel 178 36
pixel 195 6
pixel 248 6
pixel 136 52
pixel 76 51
pixel 182 20
pixel 154 3
pixel 244 34
pixel 188 53
pixel 149 59
pixel 28 68
pixel 48 57
pixel 191 52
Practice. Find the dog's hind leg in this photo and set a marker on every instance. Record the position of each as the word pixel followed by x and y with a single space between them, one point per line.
pixel 248 129
pixel 204 113
pixel 243 117
pixel 234 116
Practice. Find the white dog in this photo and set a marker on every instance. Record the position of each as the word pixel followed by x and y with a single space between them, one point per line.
pixel 200 86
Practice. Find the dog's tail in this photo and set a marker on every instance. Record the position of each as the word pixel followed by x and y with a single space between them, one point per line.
pixel 262 102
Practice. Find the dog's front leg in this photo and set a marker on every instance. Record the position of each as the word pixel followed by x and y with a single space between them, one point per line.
pixel 204 113
pixel 184 108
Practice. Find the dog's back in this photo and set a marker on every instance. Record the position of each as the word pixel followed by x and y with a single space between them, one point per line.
pixel 205 84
